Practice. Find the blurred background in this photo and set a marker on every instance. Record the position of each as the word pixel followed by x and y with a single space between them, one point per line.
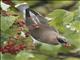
pixel 16 44
pixel 46 6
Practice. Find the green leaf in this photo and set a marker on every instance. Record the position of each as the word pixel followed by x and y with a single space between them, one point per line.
pixel 6 22
pixel 61 18
pixel 26 1
pixel 60 3
pixel 74 38
pixel 76 25
pixel 7 57
pixel 25 55
pixel 68 17
pixel 40 57
pixel 72 58
pixel 51 50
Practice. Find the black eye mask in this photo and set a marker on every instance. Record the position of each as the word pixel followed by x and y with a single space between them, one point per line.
pixel 61 40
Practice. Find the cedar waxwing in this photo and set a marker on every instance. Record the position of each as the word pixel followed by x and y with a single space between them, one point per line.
pixel 39 28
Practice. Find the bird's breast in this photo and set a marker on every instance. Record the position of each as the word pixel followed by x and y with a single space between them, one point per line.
pixel 45 34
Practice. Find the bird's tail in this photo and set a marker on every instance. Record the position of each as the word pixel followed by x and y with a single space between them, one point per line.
pixel 22 7
pixel 30 16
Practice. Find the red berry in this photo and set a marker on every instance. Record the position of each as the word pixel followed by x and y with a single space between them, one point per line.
pixel 0 49
pixel 17 48
pixel 20 29
pixel 22 46
pixel 12 50
pixel 7 1
pixel 21 23
pixel 17 37
pixel 27 34
pixel 11 42
pixel 4 50
pixel 7 47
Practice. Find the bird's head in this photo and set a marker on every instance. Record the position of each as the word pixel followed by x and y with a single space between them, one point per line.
pixel 66 44
pixel 63 41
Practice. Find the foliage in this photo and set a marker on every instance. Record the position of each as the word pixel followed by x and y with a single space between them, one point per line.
pixel 6 22
pixel 66 22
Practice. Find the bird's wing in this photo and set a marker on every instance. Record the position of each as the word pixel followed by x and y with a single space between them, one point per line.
pixel 40 17
pixel 33 17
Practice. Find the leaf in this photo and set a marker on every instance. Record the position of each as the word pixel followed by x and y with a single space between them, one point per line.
pixel 3 37
pixel 51 50
pixel 40 57
pixel 72 58
pixel 68 18
pixel 76 25
pixel 26 55
pixel 59 4
pixel 6 22
pixel 76 22
pixel 7 57
pixel 27 1
pixel 74 38
pixel 60 18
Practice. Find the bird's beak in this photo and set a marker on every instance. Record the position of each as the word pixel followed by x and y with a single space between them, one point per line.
pixel 66 45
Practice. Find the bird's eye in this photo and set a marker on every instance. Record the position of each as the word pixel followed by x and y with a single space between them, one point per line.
pixel 61 40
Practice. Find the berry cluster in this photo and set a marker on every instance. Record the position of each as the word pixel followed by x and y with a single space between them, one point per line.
pixel 11 45
pixel 21 23
pixel 21 29
pixel 6 13
pixel 12 48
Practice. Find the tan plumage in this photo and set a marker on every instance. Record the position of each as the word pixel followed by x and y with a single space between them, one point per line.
pixel 39 28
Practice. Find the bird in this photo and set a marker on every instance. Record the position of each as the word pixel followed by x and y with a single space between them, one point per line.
pixel 39 27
